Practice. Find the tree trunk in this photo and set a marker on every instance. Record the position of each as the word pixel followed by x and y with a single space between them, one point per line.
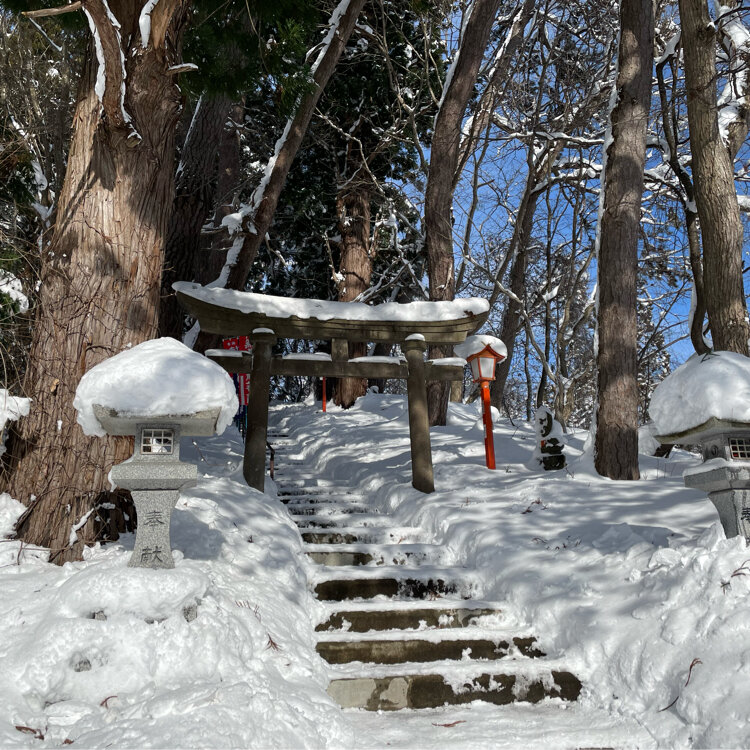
pixel 100 278
pixel 511 323
pixel 355 269
pixel 444 158
pixel 713 177
pixel 195 189
pixel 616 444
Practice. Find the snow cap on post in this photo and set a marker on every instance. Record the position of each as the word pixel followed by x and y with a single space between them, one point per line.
pixel 158 378
pixel 482 352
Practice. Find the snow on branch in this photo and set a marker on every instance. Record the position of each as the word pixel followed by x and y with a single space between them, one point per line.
pixel 733 101
pixel 144 22
pixel 110 77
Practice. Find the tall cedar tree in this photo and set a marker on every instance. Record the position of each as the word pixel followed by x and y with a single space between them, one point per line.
pixel 444 160
pixel 713 177
pixel 100 275
pixel 616 444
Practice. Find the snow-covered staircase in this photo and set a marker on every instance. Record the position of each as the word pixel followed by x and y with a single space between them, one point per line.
pixel 402 631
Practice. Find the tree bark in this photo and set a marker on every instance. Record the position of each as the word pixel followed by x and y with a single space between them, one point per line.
pixel 444 159
pixel 100 278
pixel 355 269
pixel 195 188
pixel 713 177
pixel 616 443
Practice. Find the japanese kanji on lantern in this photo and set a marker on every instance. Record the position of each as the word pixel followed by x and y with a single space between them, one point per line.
pixel 482 353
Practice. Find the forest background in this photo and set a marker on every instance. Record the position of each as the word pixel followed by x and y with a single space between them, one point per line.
pixel 423 150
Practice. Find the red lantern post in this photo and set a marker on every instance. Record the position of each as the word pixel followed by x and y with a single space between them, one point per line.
pixel 482 353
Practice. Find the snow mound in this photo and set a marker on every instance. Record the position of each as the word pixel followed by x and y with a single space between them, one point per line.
pixel 716 385
pixel 156 378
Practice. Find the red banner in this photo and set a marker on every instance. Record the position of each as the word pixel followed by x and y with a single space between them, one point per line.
pixel 240 344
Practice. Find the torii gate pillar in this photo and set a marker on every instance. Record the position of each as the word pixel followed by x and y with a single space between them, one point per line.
pixel 419 425
pixel 254 462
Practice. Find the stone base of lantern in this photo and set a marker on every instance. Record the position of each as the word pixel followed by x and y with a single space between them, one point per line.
pixel 152 544
pixel 728 488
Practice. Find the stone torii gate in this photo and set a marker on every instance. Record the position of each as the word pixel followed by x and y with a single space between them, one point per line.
pixel 264 318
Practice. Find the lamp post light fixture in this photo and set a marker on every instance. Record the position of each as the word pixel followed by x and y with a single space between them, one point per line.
pixel 482 353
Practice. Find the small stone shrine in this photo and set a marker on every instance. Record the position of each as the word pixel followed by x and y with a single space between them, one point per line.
pixel 549 436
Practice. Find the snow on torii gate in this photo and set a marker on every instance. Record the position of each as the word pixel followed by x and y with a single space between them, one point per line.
pixel 413 326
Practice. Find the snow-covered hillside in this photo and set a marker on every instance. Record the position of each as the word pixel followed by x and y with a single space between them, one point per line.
pixel 633 584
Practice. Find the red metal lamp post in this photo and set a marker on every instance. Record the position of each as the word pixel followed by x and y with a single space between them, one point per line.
pixel 482 353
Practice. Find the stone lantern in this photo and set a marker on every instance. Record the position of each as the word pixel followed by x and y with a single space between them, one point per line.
pixel 725 471
pixel 706 402
pixel 155 475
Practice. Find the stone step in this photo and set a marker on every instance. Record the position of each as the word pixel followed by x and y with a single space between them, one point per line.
pixel 326 509
pixel 336 559
pixel 415 618
pixel 392 693
pixel 397 651
pixel 378 554
pixel 343 520
pixel 329 537
pixel 366 533
pixel 296 481
pixel 298 494
pixel 367 588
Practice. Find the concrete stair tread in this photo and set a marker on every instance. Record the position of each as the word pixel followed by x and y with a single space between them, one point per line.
pixel 298 481
pixel 357 534
pixel 330 509
pixel 425 572
pixel 319 492
pixel 430 689
pixel 375 547
pixel 377 557
pixel 413 649
pixel 392 533
pixel 452 603
pixel 427 635
pixel 411 616
pixel 407 584
pixel 452 669
pixel 352 521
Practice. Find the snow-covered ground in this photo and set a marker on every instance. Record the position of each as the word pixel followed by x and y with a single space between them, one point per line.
pixel 630 584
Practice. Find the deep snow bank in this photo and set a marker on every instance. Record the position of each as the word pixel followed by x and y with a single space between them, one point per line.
pixel 243 674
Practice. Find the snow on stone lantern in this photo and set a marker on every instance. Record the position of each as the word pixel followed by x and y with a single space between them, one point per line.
pixel 482 353
pixel 157 392
pixel 706 402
